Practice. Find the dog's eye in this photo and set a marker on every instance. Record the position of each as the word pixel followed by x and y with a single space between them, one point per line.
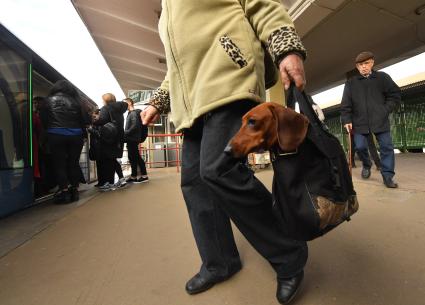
pixel 251 122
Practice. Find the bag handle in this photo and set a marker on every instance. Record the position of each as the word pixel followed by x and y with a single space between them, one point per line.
pixel 294 95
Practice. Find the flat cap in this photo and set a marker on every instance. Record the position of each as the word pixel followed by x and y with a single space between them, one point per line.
pixel 363 56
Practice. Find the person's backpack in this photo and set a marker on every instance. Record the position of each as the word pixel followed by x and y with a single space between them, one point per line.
pixel 312 187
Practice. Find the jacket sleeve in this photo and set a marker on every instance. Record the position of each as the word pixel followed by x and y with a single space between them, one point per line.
pixel 161 97
pixel 123 106
pixel 346 105
pixel 392 93
pixel 274 28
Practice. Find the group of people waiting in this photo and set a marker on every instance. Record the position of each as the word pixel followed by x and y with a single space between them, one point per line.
pixel 66 122
pixel 108 136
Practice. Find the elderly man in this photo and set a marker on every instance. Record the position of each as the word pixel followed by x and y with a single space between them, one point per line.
pixel 216 53
pixel 369 98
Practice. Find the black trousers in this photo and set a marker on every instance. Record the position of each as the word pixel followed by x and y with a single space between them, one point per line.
pixel 105 170
pixel 65 152
pixel 216 187
pixel 135 159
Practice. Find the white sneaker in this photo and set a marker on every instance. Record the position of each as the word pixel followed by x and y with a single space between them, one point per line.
pixel 106 187
pixel 121 183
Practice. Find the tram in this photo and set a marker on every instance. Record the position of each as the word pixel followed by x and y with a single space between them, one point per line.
pixel 23 76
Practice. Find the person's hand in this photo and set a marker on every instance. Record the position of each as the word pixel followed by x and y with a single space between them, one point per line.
pixel 348 127
pixel 150 115
pixel 292 69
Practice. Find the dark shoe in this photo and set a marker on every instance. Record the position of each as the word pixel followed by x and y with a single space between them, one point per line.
pixel 143 179
pixel 74 194
pixel 288 288
pixel 62 197
pixel 365 172
pixel 390 183
pixel 131 180
pixel 198 283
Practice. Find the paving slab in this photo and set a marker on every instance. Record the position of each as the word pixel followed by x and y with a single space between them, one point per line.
pixel 135 246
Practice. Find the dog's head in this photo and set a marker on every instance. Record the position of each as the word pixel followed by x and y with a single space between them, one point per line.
pixel 266 125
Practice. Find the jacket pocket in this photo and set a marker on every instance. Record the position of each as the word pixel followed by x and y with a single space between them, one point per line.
pixel 233 51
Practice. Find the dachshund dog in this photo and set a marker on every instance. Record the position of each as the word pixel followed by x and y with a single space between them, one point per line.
pixel 266 126
pixel 313 192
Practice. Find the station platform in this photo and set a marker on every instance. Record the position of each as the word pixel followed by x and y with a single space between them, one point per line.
pixel 134 246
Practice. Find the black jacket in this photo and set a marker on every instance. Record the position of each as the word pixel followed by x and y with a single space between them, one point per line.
pixel 367 102
pixel 63 111
pixel 116 111
pixel 133 127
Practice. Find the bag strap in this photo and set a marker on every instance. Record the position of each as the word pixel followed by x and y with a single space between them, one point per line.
pixel 295 96
pixel 318 132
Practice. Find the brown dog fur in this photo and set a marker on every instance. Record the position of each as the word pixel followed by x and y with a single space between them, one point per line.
pixel 266 125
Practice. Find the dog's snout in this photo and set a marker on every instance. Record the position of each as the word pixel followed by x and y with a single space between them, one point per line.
pixel 228 150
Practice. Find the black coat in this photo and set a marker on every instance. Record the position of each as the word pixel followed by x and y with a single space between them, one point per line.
pixel 133 126
pixel 63 111
pixel 368 102
pixel 116 110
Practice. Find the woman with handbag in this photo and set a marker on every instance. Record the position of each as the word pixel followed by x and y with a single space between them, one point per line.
pixel 111 139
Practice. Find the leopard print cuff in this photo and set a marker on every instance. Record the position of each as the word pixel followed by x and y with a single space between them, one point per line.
pixel 283 41
pixel 161 100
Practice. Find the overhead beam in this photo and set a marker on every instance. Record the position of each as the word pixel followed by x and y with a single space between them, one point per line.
pixel 153 52
pixel 117 17
pixel 135 62
pixel 137 74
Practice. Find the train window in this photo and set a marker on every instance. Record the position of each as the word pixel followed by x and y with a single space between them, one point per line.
pixel 13 109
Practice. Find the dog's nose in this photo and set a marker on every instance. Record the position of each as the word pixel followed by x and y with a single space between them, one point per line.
pixel 228 150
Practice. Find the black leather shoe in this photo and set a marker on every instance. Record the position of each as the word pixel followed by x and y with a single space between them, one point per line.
pixel 390 183
pixel 288 288
pixel 365 172
pixel 62 197
pixel 198 283
pixel 74 194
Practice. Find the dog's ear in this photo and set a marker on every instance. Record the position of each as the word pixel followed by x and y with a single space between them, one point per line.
pixel 291 127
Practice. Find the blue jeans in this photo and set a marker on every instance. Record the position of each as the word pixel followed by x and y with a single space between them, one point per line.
pixel 386 150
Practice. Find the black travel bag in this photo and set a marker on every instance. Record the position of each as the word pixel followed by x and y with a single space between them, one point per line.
pixel 312 187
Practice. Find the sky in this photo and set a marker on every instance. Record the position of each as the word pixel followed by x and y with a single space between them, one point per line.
pixel 55 31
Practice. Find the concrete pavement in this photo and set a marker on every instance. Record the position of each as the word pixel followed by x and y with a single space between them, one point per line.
pixel 135 246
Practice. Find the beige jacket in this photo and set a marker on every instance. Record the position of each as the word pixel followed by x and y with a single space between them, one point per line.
pixel 215 55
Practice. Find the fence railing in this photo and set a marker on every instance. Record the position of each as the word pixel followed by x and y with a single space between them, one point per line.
pixel 166 153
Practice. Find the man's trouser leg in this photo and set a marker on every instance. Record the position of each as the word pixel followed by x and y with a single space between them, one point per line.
pixel 373 151
pixel 360 142
pixel 241 195
pixel 132 148
pixel 210 225
pixel 386 149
